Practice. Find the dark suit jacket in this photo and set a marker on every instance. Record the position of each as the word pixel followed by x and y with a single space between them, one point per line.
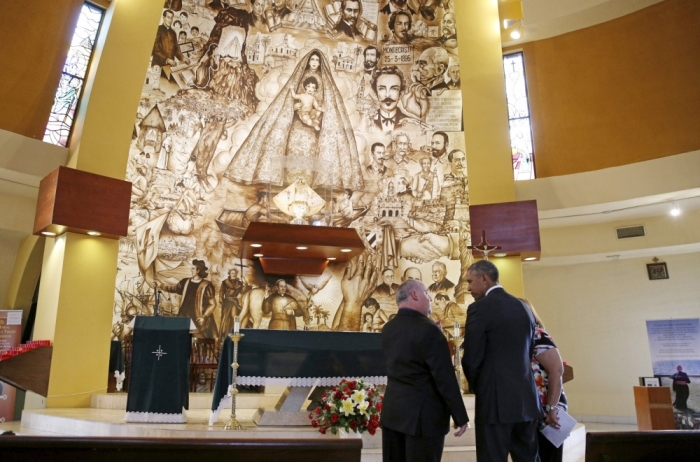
pixel 422 390
pixel 496 362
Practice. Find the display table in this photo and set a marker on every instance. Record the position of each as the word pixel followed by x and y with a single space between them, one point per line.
pixel 159 380
pixel 299 360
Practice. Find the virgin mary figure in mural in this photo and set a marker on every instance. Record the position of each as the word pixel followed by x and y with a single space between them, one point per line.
pixel 280 132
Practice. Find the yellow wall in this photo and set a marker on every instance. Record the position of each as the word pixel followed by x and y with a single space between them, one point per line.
pixel 76 297
pixel 36 36
pixel 616 93
pixel 486 132
pixel 78 282
pixel 25 275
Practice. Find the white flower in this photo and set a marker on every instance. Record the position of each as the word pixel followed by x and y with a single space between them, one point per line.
pixel 358 396
pixel 363 407
pixel 347 407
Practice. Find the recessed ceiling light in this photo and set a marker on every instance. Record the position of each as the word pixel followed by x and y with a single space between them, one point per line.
pixel 257 255
pixel 256 245
pixel 301 247
pixel 515 35
pixel 346 250
pixel 500 254
pixel 330 258
pixel 48 233
pixel 675 210
pixel 93 233
pixel 530 258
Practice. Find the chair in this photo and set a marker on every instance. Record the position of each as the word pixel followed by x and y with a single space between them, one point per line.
pixel 128 346
pixel 204 362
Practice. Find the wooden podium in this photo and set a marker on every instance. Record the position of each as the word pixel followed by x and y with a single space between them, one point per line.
pixel 654 408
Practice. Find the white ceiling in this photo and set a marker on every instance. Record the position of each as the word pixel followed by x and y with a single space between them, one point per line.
pixel 548 18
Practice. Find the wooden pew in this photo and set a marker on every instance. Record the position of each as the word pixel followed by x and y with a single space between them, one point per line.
pixel 661 445
pixel 74 449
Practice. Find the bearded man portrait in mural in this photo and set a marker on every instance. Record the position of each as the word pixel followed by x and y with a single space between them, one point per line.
pixel 280 132
pixel 197 299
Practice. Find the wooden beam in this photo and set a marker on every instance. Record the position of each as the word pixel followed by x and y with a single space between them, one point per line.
pixel 28 370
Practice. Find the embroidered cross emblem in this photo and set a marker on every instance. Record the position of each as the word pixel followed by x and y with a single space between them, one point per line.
pixel 159 352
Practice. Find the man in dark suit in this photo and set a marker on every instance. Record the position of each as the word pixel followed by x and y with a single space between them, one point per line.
pixel 422 391
pixel 350 12
pixel 497 352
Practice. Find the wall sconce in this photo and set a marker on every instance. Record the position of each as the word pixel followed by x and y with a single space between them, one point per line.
pixel 511 14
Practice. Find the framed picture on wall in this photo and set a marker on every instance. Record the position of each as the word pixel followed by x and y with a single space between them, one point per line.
pixel 657 271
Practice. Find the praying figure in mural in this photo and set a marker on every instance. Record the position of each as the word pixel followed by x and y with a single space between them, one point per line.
pixel 197 299
pixel 208 63
pixel 281 132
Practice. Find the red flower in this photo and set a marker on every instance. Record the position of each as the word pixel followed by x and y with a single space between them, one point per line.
pixel 323 396
pixel 353 424
pixel 338 395
pixel 372 431
pixel 379 406
pixel 334 418
pixel 314 423
pixel 322 430
pixel 326 407
pixel 352 385
pixel 317 410
pixel 311 416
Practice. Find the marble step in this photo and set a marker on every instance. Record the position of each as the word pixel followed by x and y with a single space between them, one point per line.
pixel 243 400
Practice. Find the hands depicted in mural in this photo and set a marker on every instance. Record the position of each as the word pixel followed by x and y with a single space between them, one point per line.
pixel 358 282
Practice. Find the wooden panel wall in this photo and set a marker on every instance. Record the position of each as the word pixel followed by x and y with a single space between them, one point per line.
pixel 616 93
pixel 36 36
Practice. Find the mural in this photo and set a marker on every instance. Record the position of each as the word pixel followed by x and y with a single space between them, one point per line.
pixel 358 100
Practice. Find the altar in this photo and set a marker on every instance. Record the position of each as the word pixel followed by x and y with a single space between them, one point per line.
pixel 299 360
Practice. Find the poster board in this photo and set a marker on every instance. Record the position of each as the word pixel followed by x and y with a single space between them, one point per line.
pixel 10 336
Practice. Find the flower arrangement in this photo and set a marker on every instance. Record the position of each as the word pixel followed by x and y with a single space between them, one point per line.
pixel 352 405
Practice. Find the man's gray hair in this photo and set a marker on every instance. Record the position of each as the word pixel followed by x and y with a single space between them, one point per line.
pixel 485 267
pixel 440 265
pixel 405 289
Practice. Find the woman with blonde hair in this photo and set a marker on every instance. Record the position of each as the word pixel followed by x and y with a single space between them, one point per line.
pixel 548 369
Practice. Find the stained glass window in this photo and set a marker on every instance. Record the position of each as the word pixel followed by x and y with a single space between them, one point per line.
pixel 72 81
pixel 519 117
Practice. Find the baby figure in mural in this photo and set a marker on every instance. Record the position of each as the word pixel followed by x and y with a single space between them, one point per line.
pixel 308 109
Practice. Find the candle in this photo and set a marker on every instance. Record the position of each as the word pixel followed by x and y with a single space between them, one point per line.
pixel 456 328
pixel 236 325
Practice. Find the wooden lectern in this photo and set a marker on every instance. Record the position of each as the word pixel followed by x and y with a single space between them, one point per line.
pixel 654 408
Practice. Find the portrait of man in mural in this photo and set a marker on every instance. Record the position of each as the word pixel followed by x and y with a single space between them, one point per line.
pixel 401 156
pixel 400 23
pixel 453 73
pixel 388 84
pixel 197 299
pixel 350 13
pixel 377 169
pixel 283 309
pixel 166 52
pixel 388 287
pixel 448 27
pixel 412 273
pixel 372 56
pixel 440 281
pixel 426 185
pixel 430 67
pixel 394 5
pixel 256 18
pixel 280 132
